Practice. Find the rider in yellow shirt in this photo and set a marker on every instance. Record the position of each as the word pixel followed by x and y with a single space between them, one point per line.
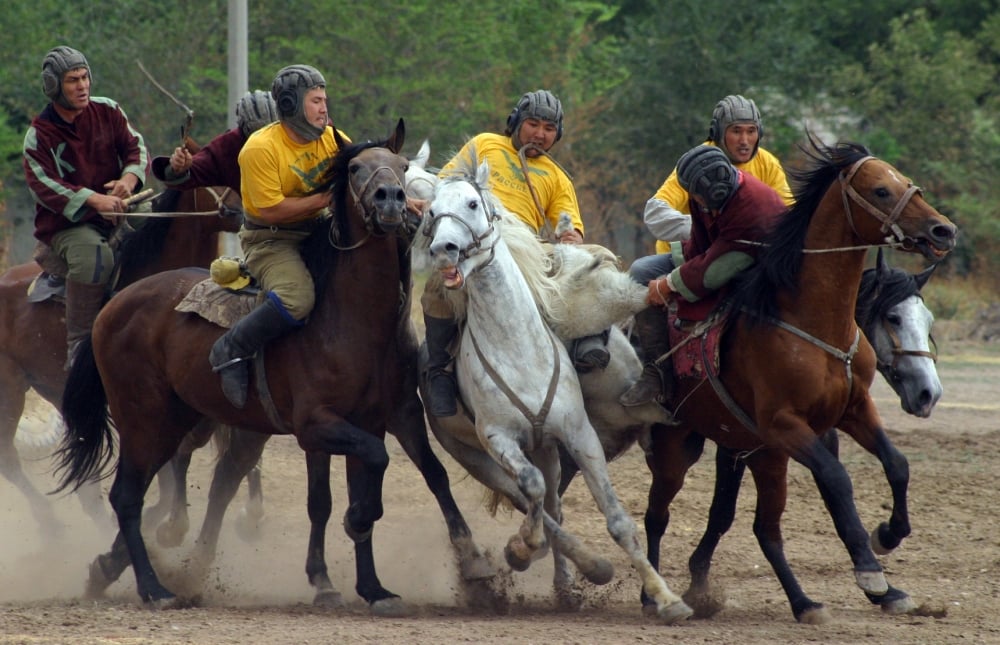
pixel 540 198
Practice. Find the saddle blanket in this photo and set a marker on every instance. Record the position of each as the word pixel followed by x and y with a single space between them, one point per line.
pixel 219 305
pixel 692 342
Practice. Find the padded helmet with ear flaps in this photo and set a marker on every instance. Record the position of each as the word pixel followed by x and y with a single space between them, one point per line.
pixel 540 104
pixel 56 63
pixel 734 109
pixel 707 172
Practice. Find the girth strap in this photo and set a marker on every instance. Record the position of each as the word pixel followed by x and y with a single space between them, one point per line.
pixel 537 420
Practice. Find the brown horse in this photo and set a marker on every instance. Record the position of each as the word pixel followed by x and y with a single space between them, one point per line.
pixel 794 364
pixel 33 334
pixel 334 383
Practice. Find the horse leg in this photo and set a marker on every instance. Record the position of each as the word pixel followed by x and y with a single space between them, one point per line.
pixel 729 469
pixel 586 450
pixel 173 497
pixel 251 516
pixel 670 455
pixel 838 494
pixel 381 601
pixel 127 492
pixel 11 409
pixel 889 534
pixel 411 432
pixel 526 545
pixel 769 471
pixel 242 452
pixel 367 461
pixel 320 506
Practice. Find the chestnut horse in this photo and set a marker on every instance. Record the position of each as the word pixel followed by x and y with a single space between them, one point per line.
pixel 33 334
pixel 335 383
pixel 794 364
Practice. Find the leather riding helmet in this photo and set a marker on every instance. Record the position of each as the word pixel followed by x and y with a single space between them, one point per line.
pixel 56 63
pixel 254 110
pixel 289 90
pixel 707 172
pixel 734 109
pixel 540 104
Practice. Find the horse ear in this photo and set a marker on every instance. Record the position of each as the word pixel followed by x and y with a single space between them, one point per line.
pixel 483 174
pixel 924 276
pixel 423 155
pixel 341 144
pixel 395 142
pixel 881 268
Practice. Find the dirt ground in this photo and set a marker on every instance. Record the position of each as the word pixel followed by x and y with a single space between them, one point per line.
pixel 257 592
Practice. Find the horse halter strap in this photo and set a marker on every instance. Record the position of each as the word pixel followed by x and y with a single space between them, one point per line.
pixel 366 216
pixel 475 247
pixel 899 351
pixel 888 221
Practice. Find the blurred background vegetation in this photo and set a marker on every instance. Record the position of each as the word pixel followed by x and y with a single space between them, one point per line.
pixel 914 81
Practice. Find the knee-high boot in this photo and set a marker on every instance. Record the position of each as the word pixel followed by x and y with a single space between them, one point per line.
pixel 83 303
pixel 656 381
pixel 443 388
pixel 230 353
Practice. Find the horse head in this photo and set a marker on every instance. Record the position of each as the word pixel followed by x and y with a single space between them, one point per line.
pixel 895 209
pixel 461 225
pixel 370 177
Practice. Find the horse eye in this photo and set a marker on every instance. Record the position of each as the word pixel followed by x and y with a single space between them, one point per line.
pixel 894 319
pixel 882 193
pixel 473 204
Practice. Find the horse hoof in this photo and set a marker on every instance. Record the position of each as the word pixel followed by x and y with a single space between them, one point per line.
pixel 899 605
pixel 872 582
pixel 166 603
pixel 170 534
pixel 248 526
pixel 569 600
pixel 393 607
pixel 674 612
pixel 817 615
pixel 478 568
pixel 97 581
pixel 706 602
pixel 516 562
pixel 601 573
pixel 328 600
pixel 877 545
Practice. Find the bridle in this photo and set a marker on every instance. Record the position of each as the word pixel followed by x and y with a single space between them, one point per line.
pixel 848 193
pixel 476 246
pixel 368 216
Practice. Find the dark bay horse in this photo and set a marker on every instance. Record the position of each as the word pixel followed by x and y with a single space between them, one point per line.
pixel 33 334
pixel 335 384
pixel 794 364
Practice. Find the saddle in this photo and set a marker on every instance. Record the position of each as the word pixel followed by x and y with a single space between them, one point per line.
pixel 229 294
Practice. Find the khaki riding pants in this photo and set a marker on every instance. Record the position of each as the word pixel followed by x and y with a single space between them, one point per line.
pixel 86 252
pixel 273 257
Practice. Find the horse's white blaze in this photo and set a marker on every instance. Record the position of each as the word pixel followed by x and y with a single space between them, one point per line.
pixel 916 378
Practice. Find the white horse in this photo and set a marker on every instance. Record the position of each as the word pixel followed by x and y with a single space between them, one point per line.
pixel 519 384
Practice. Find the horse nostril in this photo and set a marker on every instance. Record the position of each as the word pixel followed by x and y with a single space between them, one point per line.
pixel 400 195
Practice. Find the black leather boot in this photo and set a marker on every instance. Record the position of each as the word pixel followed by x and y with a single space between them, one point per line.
pixel 231 352
pixel 591 352
pixel 83 303
pixel 656 380
pixel 441 384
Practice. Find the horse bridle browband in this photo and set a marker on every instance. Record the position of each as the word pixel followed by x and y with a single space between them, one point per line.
pixel 888 221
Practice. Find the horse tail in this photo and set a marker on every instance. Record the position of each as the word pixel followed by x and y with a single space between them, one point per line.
pixel 88 445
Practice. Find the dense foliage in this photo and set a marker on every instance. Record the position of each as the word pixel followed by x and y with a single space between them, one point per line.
pixel 916 82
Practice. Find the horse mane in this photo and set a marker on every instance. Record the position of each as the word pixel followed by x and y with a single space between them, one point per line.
pixel 880 292
pixel 780 259
pixel 318 250
pixel 143 246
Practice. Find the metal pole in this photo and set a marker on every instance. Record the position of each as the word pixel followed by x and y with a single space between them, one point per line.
pixel 239 79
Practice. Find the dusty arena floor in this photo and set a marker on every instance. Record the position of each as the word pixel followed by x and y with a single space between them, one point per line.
pixel 257 592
